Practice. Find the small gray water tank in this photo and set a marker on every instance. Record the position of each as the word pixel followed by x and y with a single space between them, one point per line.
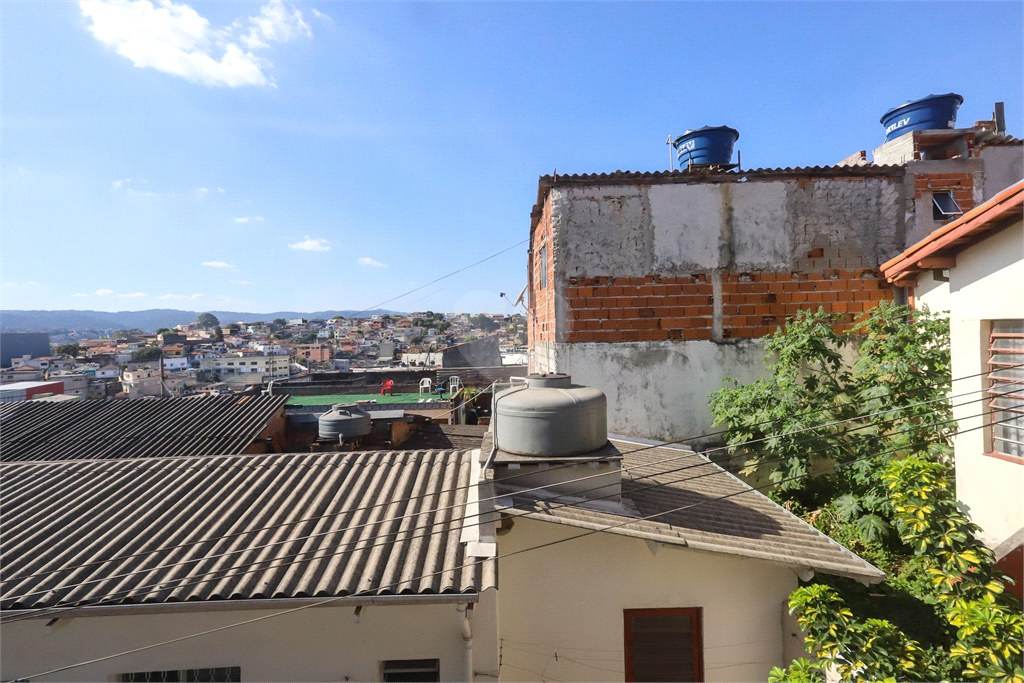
pixel 551 417
pixel 346 420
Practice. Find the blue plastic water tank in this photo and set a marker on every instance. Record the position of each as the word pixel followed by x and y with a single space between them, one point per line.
pixel 707 145
pixel 934 112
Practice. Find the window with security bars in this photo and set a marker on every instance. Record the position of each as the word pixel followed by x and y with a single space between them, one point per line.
pixel 1006 388
pixel 411 670
pixel 664 644
pixel 220 674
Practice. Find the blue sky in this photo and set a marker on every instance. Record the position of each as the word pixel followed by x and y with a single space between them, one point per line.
pixel 273 155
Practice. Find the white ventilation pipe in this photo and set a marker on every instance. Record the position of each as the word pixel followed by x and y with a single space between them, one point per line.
pixel 467 638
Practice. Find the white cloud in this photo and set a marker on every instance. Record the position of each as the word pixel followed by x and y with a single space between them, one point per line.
pixel 246 219
pixel 367 261
pixel 221 190
pixel 310 244
pixel 217 264
pixel 202 191
pixel 119 183
pixel 241 282
pixel 181 297
pixel 133 295
pixel 275 24
pixel 319 15
pixel 177 40
pixel 104 292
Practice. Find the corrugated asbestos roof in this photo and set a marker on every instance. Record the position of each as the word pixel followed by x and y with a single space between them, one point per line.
pixel 134 428
pixel 748 524
pixel 65 514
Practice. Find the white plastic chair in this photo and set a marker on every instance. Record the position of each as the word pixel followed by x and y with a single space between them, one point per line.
pixel 425 384
pixel 454 384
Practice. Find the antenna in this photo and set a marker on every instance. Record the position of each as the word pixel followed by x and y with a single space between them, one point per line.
pixel 671 158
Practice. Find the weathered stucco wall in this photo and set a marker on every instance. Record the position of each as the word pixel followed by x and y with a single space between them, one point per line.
pixel 316 644
pixel 654 285
pixel 659 390
pixel 986 284
pixel 742 601
pixel 679 229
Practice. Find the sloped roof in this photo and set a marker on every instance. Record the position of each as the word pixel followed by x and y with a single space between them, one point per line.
pixel 743 522
pixel 947 241
pixel 114 517
pixel 138 428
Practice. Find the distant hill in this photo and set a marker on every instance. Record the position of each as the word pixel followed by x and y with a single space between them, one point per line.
pixel 148 321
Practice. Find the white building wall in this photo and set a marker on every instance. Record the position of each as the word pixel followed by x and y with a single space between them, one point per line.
pixel 987 284
pixel 569 598
pixel 316 644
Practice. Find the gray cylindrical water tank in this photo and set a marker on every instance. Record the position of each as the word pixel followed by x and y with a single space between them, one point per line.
pixel 345 420
pixel 551 417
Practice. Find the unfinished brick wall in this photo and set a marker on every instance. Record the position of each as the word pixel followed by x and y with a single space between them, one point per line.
pixel 606 309
pixel 541 321
pixel 960 184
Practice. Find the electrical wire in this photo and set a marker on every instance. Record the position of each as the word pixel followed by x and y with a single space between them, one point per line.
pixel 276 561
pixel 366 524
pixel 513 477
pixel 514 553
pixel 443 277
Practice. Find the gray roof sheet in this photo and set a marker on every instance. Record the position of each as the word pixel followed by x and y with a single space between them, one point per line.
pixel 137 428
pixel 747 524
pixel 113 517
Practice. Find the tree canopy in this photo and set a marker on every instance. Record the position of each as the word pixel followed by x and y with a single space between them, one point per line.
pixel 147 353
pixel 207 320
pixel 869 416
pixel 68 350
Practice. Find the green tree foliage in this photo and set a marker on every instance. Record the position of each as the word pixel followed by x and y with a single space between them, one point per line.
pixel 884 491
pixel 163 330
pixel 280 321
pixel 147 353
pixel 832 403
pixel 484 323
pixel 207 320
pixel 68 350
pixel 969 593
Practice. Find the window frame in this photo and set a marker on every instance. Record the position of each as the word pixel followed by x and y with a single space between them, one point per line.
pixel 995 394
pixel 542 259
pixel 411 666
pixel 941 214
pixel 696 615
pixel 183 674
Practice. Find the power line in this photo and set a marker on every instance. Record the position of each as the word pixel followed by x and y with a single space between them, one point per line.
pixel 513 477
pixel 435 510
pixel 443 277
pixel 514 553
pixel 276 561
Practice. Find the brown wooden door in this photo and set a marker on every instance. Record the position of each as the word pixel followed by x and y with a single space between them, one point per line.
pixel 664 644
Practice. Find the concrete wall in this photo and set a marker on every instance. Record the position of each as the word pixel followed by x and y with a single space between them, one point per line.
pixel 743 256
pixel 577 609
pixel 1004 166
pixel 479 353
pixel 317 644
pixel 17 344
pixel 985 285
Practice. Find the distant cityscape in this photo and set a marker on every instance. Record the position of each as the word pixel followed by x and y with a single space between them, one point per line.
pixel 211 356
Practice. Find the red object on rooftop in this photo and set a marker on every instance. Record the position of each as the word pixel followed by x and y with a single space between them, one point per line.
pixel 387 385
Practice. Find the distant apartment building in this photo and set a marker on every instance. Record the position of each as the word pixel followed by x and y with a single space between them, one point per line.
pixel 141 380
pixel 18 344
pixel 175 363
pixel 319 353
pixel 248 368
pixel 655 287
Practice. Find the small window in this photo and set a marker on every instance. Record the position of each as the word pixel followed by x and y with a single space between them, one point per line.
pixel 412 670
pixel 1006 387
pixel 227 674
pixel 542 266
pixel 663 644
pixel 944 207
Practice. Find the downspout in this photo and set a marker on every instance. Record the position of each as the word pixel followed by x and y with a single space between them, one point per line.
pixel 467 638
